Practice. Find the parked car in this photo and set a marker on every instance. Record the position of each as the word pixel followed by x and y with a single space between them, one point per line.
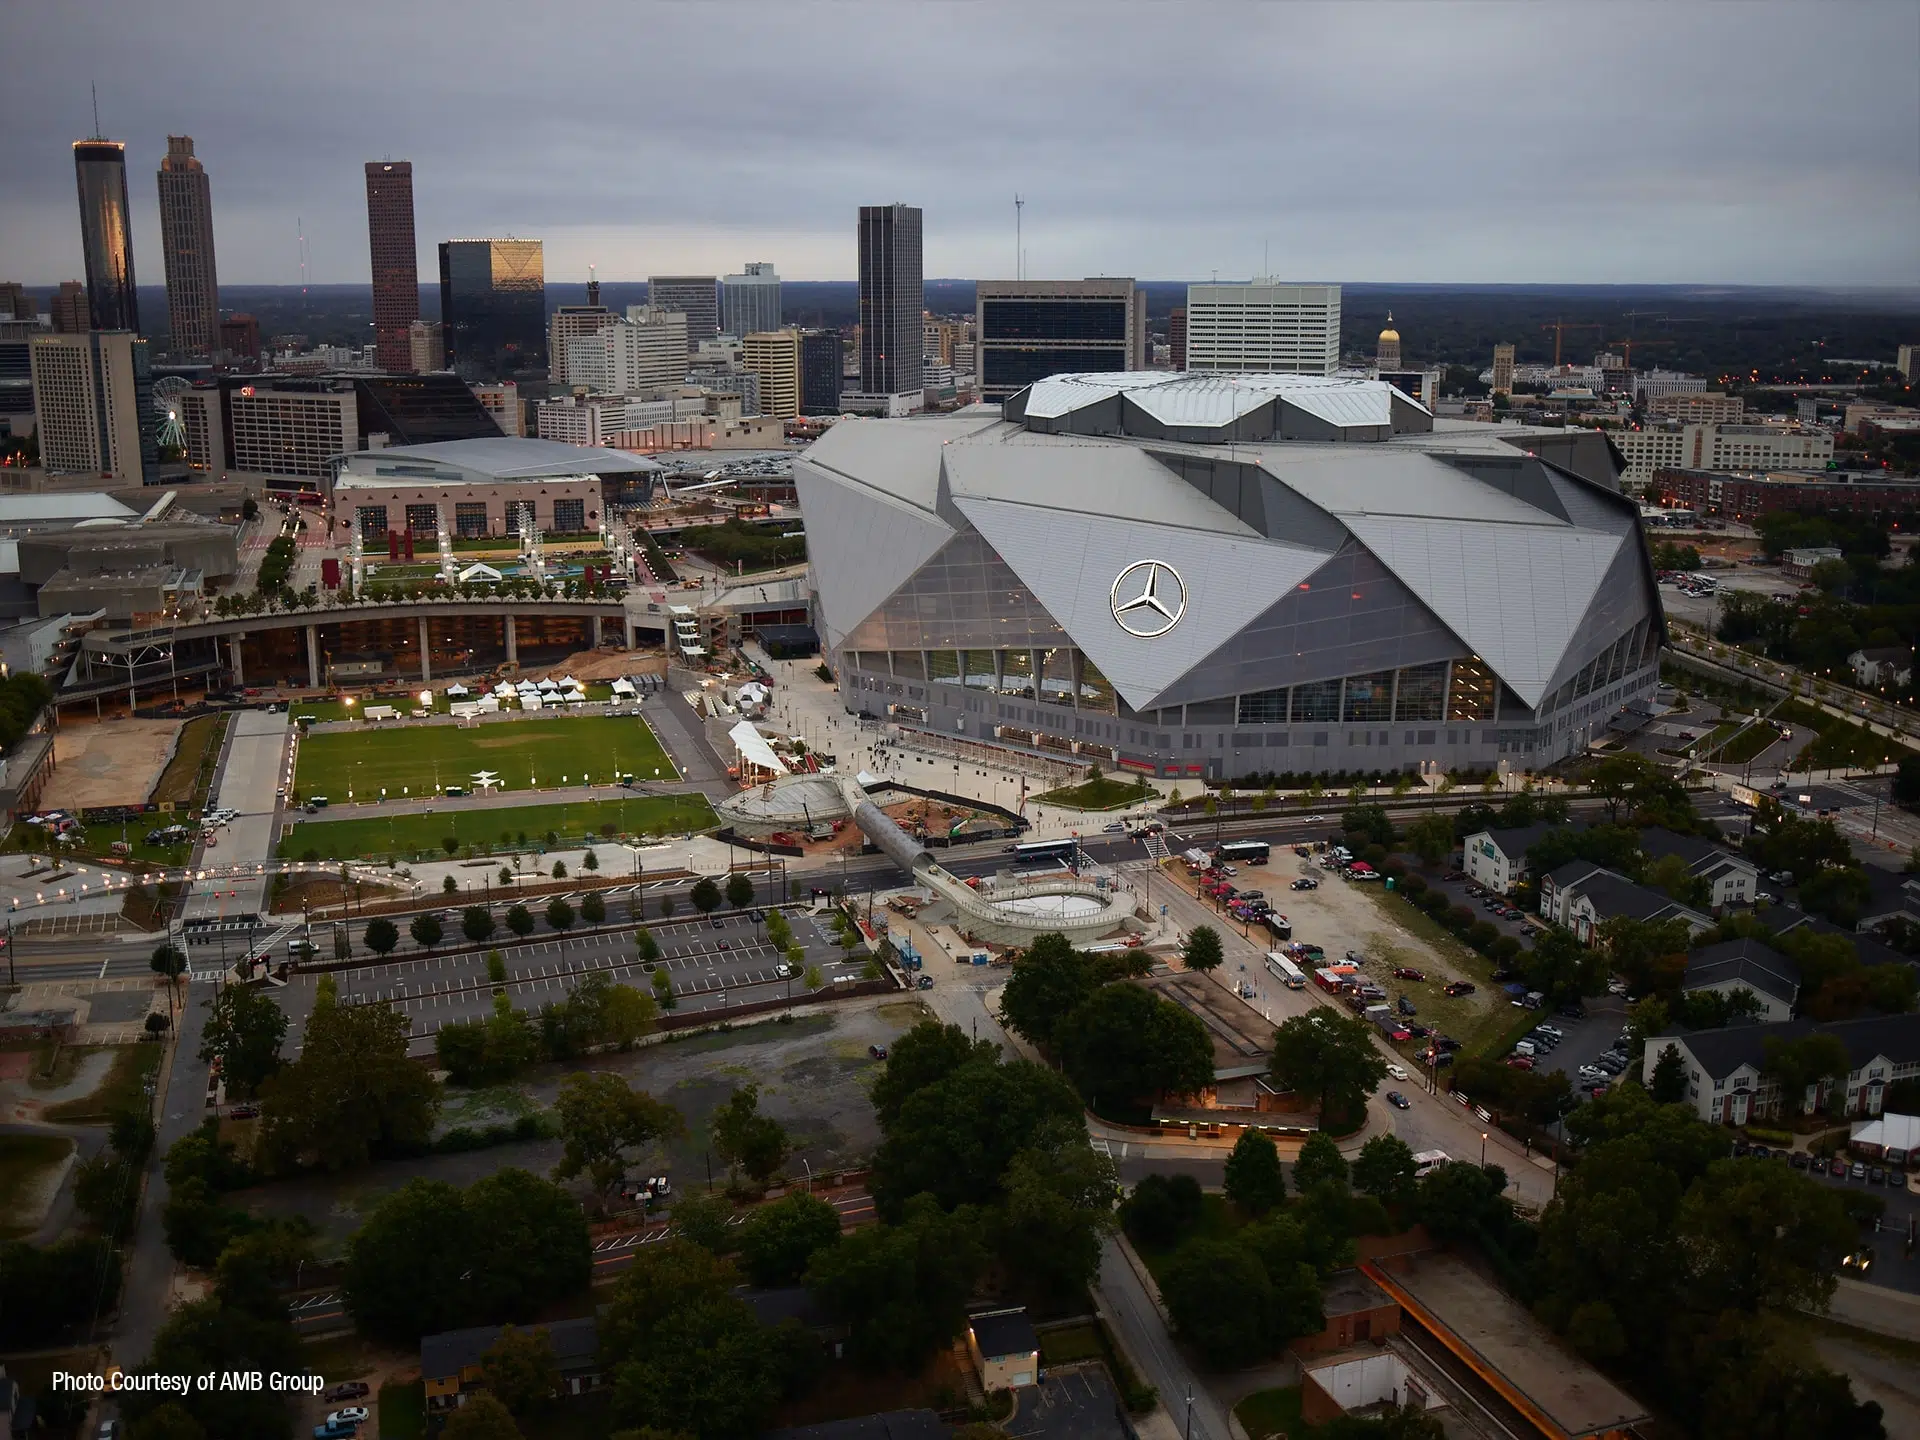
pixel 1859 1171
pixel 925 982
pixel 1306 882
pixel 1397 1073
pixel 1404 972
pixel 349 1415
pixel 878 1052
pixel 1837 1168
pixel 345 1390
pixel 1398 1101
pixel 1405 1006
pixel 1459 987
pixel 1800 1160
pixel 1876 1175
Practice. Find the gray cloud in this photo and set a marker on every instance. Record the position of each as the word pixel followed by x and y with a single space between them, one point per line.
pixel 1412 142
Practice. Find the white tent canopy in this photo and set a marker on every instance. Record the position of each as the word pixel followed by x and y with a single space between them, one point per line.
pixel 754 749
pixel 458 690
pixel 623 687
pixel 1890 1132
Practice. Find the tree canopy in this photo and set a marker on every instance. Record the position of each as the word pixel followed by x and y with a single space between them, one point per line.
pixel 1331 1057
pixel 602 1118
pixel 352 1093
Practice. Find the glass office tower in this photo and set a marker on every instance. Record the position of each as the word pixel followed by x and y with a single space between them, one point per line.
pixel 106 236
pixel 493 307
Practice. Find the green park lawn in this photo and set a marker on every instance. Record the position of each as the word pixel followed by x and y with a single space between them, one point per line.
pixel 516 828
pixel 420 759
pixel 1105 793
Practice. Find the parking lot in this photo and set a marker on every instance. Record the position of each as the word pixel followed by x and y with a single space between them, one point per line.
pixel 1457 893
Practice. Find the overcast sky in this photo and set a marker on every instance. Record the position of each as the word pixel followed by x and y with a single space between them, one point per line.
pixel 1543 142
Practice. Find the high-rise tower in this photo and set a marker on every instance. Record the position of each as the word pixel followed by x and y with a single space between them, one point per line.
pixel 890 299
pixel 396 272
pixel 106 236
pixel 186 239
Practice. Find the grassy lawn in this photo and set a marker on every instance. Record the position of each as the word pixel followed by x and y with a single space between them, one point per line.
pixel 123 1089
pixel 1272 1412
pixel 407 836
pixel 1105 793
pixel 420 758
pixel 403 1411
pixel 199 746
pixel 1839 743
pixel 1074 1342
pixel 1751 743
pixel 24 1161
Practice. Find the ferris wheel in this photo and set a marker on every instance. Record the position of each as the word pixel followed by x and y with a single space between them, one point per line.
pixel 166 404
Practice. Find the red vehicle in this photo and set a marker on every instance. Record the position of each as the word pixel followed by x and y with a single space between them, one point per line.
pixel 1520 1062
pixel 1404 972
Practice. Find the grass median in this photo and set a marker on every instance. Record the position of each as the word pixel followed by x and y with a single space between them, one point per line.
pixel 422 834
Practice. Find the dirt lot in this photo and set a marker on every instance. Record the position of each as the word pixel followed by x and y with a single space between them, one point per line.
pixel 814 1076
pixel 1389 932
pixel 108 762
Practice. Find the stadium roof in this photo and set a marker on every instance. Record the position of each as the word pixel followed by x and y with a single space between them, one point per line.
pixel 505 457
pixel 1514 554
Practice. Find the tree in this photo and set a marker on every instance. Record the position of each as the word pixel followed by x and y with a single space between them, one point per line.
pixel 648 947
pixel 171 1421
pixel 1254 1179
pixel 593 907
pixel 663 990
pixel 705 895
pixel 707 1221
pixel 902 1289
pixel 1669 1076
pixel 955 1137
pixel 1057 1211
pixel 204 1336
pixel 779 1240
pixel 1162 1209
pixel 559 914
pixel 432 1257
pixel 449 886
pixel 426 930
pixel 1759 1236
pixel 591 860
pixel 1384 1169
pixel 352 1093
pixel 1124 1043
pixel 168 960
pixel 1329 1056
pixel 1320 1163
pixel 257 1268
pixel 601 1119
pixel 476 923
pixel 1221 1301
pixel 520 921
pixel 1201 950
pixel 243 1033
pixel 927 1053
pixel 739 890
pixel 521 1370
pixel 1431 838
pixel 743 1137
pixel 1563 969
pixel 1047 983
pixel 480 1417
pixel 1906 781
pixel 382 935
pixel 104 1190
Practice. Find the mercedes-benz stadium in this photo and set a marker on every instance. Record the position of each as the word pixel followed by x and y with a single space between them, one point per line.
pixel 1231 575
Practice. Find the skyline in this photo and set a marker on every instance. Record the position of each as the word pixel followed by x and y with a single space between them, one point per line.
pixel 1460 143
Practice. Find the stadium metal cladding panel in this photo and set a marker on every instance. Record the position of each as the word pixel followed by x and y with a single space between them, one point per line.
pixel 1228 575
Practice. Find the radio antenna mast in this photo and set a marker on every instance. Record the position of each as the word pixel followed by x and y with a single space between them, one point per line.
pixel 1019 255
pixel 94 86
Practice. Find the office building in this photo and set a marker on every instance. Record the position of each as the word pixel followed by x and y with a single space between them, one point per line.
pixel 774 355
pixel 502 401
pixel 106 234
pixel 1317 581
pixel 240 336
pixel 750 302
pixel 1026 330
pixel 67 308
pixel 1419 385
pixel 642 354
pixel 1177 337
pixel 1905 362
pixel 1743 497
pixel 1264 326
pixel 92 405
pixel 493 307
pixel 822 361
pixel 722 383
pixel 15 303
pixel 1503 370
pixel 1725 448
pixel 603 419
pixel 891 299
pixel 396 270
pixel 564 324
pixel 426 346
pixel 694 296
pixel 289 428
pixel 1713 405
pixel 186 240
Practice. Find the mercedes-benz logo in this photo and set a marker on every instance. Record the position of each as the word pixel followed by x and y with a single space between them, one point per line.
pixel 1148 598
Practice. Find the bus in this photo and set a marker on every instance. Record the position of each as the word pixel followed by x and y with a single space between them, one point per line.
pixel 1425 1162
pixel 1055 852
pixel 1285 971
pixel 1244 852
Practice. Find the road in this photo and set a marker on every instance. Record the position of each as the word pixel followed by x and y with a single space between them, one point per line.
pixel 1143 1335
